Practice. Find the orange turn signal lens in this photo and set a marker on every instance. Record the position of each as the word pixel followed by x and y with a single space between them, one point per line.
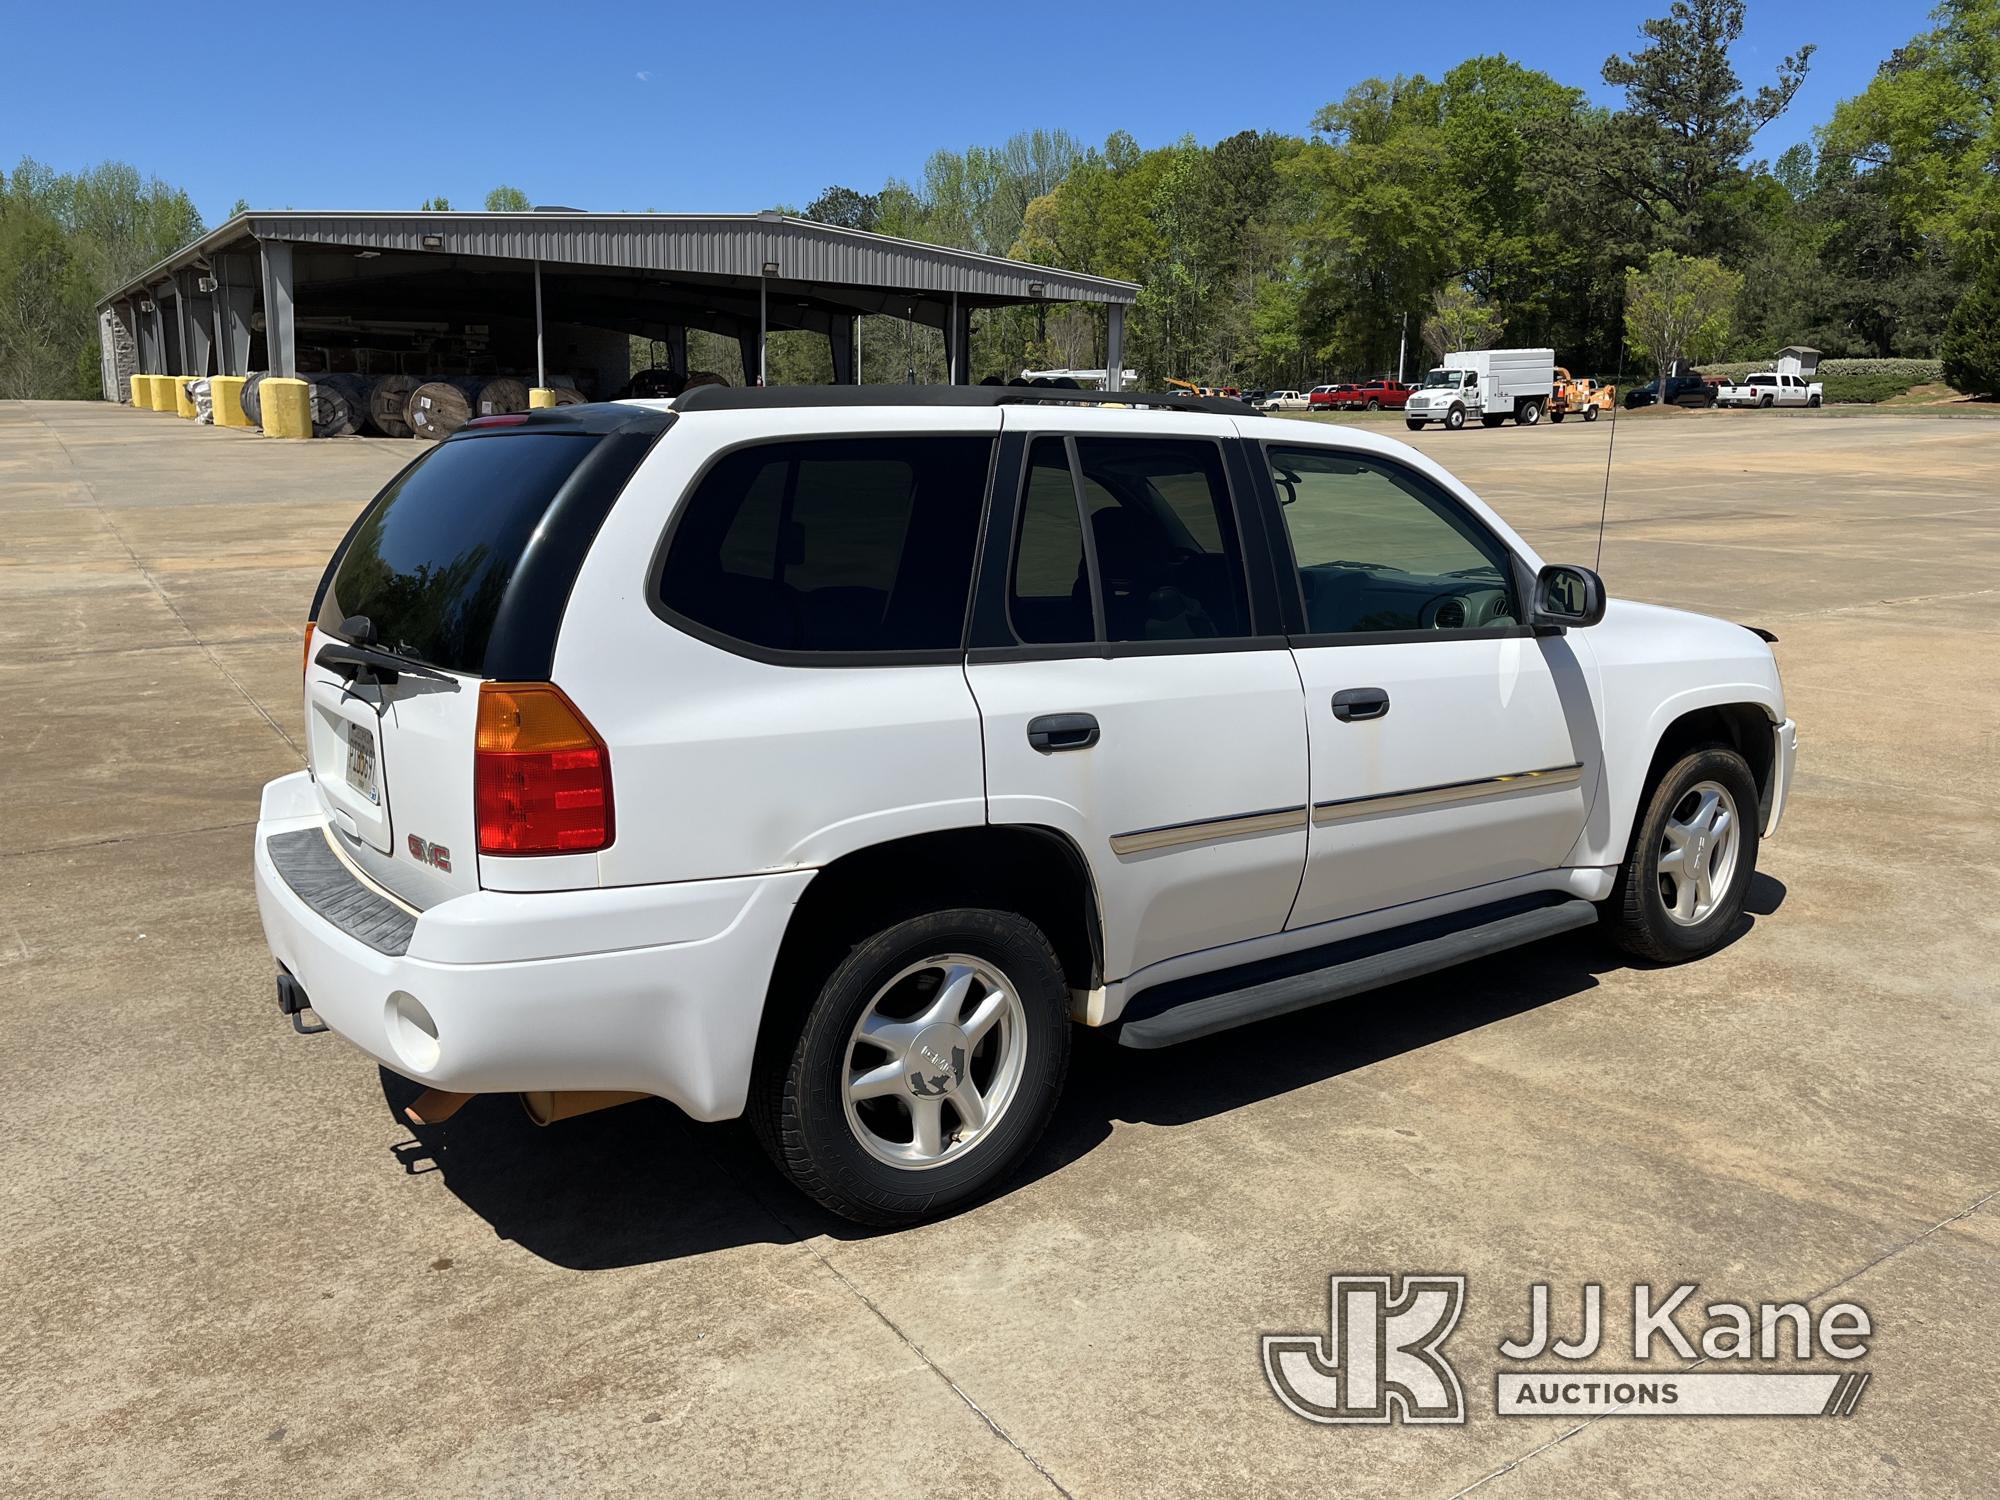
pixel 306 665
pixel 541 774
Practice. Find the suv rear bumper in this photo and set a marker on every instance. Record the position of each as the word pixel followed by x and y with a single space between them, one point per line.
pixel 655 989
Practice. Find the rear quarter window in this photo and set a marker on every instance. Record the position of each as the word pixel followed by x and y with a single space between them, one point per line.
pixel 836 545
pixel 432 558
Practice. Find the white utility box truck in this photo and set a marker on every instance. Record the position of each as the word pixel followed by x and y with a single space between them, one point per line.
pixel 1490 384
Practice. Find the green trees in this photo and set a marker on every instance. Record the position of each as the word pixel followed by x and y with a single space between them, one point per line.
pixel 64 237
pixel 1679 307
pixel 1678 145
pixel 1926 131
pixel 507 200
pixel 1971 347
pixel 1459 320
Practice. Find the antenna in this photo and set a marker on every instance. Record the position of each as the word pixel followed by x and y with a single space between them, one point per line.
pixel 1604 506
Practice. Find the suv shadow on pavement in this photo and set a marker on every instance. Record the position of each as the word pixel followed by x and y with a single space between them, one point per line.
pixel 642 1183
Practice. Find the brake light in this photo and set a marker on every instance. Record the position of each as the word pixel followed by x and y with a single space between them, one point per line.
pixel 306 666
pixel 541 776
pixel 501 419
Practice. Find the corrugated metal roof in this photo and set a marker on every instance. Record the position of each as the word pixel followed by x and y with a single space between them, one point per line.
pixel 667 244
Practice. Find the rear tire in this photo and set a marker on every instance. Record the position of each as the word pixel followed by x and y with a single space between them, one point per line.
pixel 1374 405
pixel 1701 819
pixel 1556 414
pixel 845 1116
pixel 1590 414
pixel 1528 413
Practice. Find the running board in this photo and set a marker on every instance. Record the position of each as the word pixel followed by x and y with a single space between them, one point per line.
pixel 1424 950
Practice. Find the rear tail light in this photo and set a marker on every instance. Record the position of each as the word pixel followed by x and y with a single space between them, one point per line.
pixel 306 665
pixel 541 775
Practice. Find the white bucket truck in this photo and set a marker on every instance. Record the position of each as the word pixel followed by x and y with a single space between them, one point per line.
pixel 1490 384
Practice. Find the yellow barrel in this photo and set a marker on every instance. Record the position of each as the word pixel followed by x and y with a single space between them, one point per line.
pixel 184 403
pixel 287 408
pixel 540 396
pixel 163 393
pixel 226 392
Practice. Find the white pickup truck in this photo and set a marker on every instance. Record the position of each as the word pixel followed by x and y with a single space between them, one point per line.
pixel 1771 388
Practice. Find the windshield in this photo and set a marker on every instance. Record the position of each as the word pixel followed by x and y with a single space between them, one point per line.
pixel 1444 378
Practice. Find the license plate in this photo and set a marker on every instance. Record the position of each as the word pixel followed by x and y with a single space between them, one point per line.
pixel 361 762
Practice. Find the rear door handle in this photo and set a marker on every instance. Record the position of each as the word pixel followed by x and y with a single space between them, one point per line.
pixel 1053 732
pixel 1350 704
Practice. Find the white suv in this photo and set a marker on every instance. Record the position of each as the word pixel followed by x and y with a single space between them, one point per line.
pixel 823 755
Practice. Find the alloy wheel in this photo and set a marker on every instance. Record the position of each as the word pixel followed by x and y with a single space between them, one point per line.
pixel 1696 859
pixel 934 1061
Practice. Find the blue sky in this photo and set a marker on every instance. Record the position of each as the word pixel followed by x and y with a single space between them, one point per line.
pixel 734 107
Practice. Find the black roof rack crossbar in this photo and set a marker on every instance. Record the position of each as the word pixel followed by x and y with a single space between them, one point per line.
pixel 741 398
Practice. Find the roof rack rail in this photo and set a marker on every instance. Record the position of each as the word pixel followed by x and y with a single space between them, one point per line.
pixel 742 398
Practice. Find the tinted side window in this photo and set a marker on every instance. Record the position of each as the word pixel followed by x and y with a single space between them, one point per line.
pixel 1048 599
pixel 1378 548
pixel 1168 564
pixel 841 544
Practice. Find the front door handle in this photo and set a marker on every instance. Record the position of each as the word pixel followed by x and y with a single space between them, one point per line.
pixel 1350 704
pixel 1053 732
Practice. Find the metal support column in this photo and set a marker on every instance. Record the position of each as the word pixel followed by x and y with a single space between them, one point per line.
pixel 170 327
pixel 751 346
pixel 145 334
pixel 840 343
pixel 541 364
pixel 958 341
pixel 198 323
pixel 854 323
pixel 235 302
pixel 281 341
pixel 677 348
pixel 763 327
pixel 1114 348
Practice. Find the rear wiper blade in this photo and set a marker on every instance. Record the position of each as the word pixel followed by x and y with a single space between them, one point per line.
pixel 366 664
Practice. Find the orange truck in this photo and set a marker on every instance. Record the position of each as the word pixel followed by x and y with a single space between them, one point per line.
pixel 1580 396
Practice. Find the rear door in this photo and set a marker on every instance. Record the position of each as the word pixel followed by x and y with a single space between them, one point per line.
pixel 458 571
pixel 1134 692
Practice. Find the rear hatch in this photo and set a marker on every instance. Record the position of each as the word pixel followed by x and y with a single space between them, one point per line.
pixel 457 573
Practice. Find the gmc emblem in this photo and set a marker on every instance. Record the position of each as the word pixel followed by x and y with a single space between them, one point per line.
pixel 424 852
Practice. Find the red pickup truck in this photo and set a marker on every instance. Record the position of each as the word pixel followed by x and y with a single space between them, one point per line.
pixel 1327 397
pixel 1375 395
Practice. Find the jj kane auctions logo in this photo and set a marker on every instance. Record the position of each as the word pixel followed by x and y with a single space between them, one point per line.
pixel 1382 1357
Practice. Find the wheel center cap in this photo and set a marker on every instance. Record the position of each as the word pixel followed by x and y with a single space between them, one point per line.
pixel 935 1063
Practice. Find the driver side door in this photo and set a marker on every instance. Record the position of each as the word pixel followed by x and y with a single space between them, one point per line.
pixel 1449 746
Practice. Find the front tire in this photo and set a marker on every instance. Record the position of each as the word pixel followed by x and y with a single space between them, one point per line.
pixel 1455 418
pixel 926 1070
pixel 1413 425
pixel 1682 887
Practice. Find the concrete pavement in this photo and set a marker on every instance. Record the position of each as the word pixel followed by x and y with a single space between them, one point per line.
pixel 227 1267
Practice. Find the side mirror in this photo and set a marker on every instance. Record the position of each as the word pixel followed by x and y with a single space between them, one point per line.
pixel 1567 595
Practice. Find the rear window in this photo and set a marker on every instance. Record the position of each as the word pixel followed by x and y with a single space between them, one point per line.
pixel 431 560
pixel 832 545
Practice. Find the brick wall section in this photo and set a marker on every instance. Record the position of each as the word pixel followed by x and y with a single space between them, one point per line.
pixel 121 358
